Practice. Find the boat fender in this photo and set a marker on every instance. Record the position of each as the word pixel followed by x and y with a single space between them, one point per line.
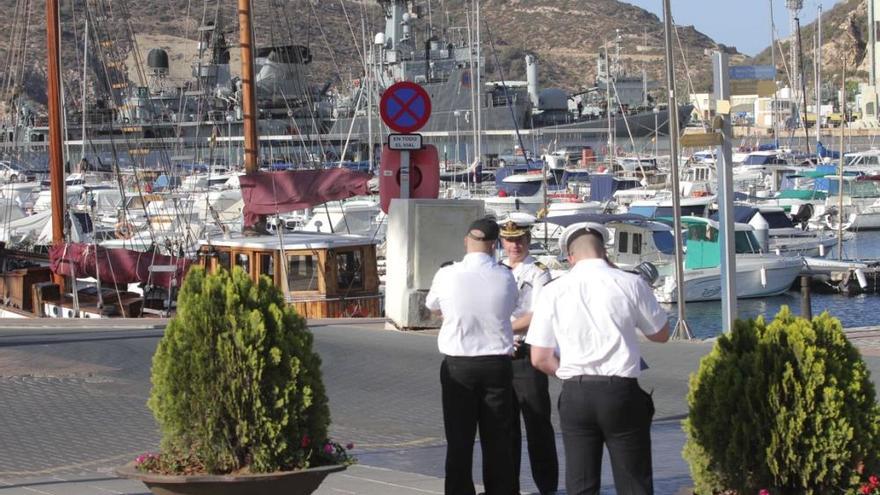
pixel 763 277
pixel 863 280
pixel 822 250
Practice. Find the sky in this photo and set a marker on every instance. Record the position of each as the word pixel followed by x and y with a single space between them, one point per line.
pixel 744 24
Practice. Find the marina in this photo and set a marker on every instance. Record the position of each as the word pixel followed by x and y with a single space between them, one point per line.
pixel 160 178
pixel 608 230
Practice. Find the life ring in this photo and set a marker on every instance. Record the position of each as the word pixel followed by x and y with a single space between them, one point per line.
pixel 124 230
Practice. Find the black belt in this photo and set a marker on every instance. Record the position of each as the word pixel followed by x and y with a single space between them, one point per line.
pixel 603 379
pixel 494 357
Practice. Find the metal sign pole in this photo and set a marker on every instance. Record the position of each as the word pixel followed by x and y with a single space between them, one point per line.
pixel 727 233
pixel 404 175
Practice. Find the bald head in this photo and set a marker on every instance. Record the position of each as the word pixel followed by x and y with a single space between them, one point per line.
pixel 588 246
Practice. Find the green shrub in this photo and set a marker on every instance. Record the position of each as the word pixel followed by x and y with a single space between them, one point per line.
pixel 787 406
pixel 236 385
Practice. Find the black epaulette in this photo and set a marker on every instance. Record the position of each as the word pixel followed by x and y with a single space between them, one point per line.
pixel 551 281
pixel 446 263
pixel 505 265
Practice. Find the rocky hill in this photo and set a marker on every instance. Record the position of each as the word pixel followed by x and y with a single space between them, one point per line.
pixel 566 35
pixel 844 38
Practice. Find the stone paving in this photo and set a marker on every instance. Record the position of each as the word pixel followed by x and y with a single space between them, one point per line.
pixel 73 407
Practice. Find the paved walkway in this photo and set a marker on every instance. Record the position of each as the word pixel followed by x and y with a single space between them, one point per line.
pixel 74 407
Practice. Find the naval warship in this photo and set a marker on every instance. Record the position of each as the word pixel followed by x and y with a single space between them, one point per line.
pixel 450 67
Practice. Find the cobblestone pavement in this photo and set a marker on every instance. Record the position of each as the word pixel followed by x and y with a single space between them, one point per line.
pixel 73 407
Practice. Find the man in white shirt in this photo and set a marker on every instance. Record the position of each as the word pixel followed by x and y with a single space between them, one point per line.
pixel 531 395
pixel 592 314
pixel 476 298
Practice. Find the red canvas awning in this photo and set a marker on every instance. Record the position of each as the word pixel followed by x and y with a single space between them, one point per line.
pixel 115 266
pixel 270 193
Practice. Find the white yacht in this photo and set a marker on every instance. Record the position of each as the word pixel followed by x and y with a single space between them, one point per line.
pixel 757 274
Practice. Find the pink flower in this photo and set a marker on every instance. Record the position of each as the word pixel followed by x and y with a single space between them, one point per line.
pixel 865 489
pixel 328 449
pixel 874 481
pixel 349 446
pixel 305 441
pixel 764 491
pixel 140 459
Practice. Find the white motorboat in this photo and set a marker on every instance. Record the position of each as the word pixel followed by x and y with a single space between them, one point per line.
pixel 777 234
pixel 757 274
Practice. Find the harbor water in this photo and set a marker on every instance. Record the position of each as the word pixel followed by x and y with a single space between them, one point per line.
pixel 704 318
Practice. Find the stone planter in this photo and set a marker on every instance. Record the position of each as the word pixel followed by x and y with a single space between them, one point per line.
pixel 301 482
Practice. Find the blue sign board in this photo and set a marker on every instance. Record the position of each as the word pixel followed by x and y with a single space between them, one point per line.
pixel 753 72
pixel 405 107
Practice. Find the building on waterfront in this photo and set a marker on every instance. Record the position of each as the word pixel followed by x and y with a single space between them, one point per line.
pixel 868 99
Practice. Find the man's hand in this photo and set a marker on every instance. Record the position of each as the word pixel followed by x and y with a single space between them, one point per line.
pixel 545 359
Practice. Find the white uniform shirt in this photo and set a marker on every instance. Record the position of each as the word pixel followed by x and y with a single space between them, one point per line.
pixel 529 280
pixel 592 314
pixel 477 297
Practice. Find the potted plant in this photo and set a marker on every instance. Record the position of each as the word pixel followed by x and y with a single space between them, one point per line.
pixel 238 395
pixel 783 408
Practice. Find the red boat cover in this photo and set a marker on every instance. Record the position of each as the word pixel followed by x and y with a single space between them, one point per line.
pixel 269 193
pixel 119 266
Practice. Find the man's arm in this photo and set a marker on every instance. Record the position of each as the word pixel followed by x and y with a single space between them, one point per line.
pixel 649 315
pixel 521 324
pixel 545 359
pixel 432 299
pixel 661 336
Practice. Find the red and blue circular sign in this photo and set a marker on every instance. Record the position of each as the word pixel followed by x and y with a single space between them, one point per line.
pixel 405 107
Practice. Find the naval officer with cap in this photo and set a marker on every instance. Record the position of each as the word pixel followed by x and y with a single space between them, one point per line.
pixel 593 314
pixel 476 298
pixel 530 386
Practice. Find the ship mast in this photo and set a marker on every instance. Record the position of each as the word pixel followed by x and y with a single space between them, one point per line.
pixel 248 104
pixel 56 157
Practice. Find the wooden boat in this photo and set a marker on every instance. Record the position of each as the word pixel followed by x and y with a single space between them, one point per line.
pixel 323 275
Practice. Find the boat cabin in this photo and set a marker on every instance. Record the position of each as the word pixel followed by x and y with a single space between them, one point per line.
pixel 704 245
pixel 322 275
pixel 638 241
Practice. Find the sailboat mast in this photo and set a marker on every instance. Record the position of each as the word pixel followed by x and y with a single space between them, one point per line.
pixel 248 97
pixel 819 83
pixel 82 152
pixel 773 63
pixel 681 327
pixel 56 156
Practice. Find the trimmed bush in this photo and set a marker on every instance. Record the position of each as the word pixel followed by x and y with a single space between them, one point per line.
pixel 787 406
pixel 236 385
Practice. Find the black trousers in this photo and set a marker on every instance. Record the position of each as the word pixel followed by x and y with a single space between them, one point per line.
pixel 613 411
pixel 532 400
pixel 478 391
